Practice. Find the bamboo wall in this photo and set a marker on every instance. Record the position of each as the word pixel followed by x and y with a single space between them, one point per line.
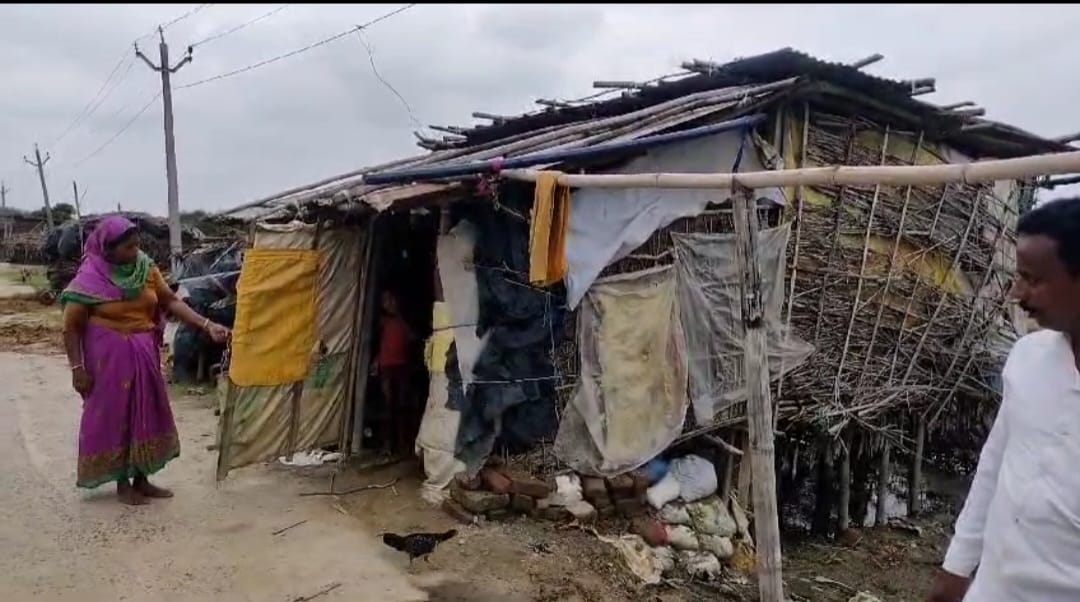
pixel 901 289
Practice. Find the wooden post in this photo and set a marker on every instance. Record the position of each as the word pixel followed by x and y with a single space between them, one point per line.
pixel 824 490
pixel 758 403
pixel 369 308
pixel 728 475
pixel 884 475
pixel 844 511
pixel 915 477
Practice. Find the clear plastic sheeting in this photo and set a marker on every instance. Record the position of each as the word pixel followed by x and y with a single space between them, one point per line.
pixel 608 224
pixel 630 402
pixel 710 303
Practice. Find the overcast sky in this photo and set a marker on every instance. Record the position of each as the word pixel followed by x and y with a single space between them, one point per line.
pixel 324 111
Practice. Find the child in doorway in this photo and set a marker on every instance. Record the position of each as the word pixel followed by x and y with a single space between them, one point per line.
pixel 393 368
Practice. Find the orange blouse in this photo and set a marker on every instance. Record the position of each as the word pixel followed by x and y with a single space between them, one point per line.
pixel 130 315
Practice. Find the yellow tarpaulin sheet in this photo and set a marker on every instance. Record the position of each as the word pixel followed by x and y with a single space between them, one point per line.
pixel 274 333
pixel 438 345
pixel 547 236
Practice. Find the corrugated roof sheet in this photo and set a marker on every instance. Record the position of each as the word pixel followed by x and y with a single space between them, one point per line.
pixel 711 91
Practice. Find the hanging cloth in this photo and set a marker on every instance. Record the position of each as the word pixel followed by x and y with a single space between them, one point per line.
pixel 547 234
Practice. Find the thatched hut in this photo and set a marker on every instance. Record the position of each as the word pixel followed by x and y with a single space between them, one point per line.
pixel 900 290
pixel 21 235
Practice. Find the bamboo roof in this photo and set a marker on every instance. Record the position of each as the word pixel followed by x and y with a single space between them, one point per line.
pixel 701 92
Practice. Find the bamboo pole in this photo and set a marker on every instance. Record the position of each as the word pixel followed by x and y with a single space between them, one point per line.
pixel 838 208
pixel 800 201
pixel 844 510
pixel 862 273
pixel 759 404
pixel 1020 168
pixel 884 476
pixel 915 478
pixel 944 294
pixel 893 257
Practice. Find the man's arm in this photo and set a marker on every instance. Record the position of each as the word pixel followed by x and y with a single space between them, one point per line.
pixel 967 543
pixel 966 547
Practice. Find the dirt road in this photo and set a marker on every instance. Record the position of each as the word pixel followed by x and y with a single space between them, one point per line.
pixel 208 543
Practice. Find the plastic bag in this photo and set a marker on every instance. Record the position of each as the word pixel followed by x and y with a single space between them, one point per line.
pixel 711 517
pixel 700 565
pixel 675 514
pixel 721 547
pixel 696 477
pixel 665 491
pixel 683 538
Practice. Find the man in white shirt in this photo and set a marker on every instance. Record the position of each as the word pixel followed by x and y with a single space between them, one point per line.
pixel 1018 536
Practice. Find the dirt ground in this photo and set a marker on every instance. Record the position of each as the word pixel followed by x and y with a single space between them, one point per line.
pixel 217 542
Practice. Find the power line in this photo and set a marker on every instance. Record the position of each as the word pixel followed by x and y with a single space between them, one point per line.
pixel 386 16
pixel 99 97
pixel 267 61
pixel 297 51
pixel 147 106
pixel 189 13
pixel 375 70
pixel 116 84
pixel 119 132
pixel 86 109
pixel 240 26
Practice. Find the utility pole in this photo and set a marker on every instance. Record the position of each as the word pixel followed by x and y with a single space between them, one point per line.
pixel 3 194
pixel 175 244
pixel 78 210
pixel 39 163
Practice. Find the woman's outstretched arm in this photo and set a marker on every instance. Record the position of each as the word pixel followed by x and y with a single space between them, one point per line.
pixel 76 317
pixel 176 307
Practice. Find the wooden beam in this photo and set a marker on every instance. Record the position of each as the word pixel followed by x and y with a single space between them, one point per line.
pixel 1068 138
pixel 1055 182
pixel 554 104
pixel 957 105
pixel 700 66
pixel 865 62
pixel 1020 168
pixel 449 129
pixel 758 404
pixel 722 445
pixel 921 82
pixel 973 112
pixel 617 84
pixel 490 116
pixel 923 90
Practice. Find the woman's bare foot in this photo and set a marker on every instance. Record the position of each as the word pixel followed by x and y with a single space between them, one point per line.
pixel 128 495
pixel 147 489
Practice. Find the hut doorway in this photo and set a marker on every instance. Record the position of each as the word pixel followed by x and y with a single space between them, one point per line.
pixel 404 264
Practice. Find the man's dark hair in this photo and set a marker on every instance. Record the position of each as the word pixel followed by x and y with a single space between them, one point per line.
pixel 1059 220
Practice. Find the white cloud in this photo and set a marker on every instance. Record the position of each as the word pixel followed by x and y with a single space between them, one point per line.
pixel 324 112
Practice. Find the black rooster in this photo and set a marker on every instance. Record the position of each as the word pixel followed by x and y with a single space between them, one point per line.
pixel 417 545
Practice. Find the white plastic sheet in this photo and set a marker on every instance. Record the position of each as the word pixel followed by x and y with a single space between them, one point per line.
pixel 607 225
pixel 631 400
pixel 710 306
pixel 439 426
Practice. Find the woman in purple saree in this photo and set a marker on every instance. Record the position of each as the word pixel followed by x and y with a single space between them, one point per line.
pixel 113 327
